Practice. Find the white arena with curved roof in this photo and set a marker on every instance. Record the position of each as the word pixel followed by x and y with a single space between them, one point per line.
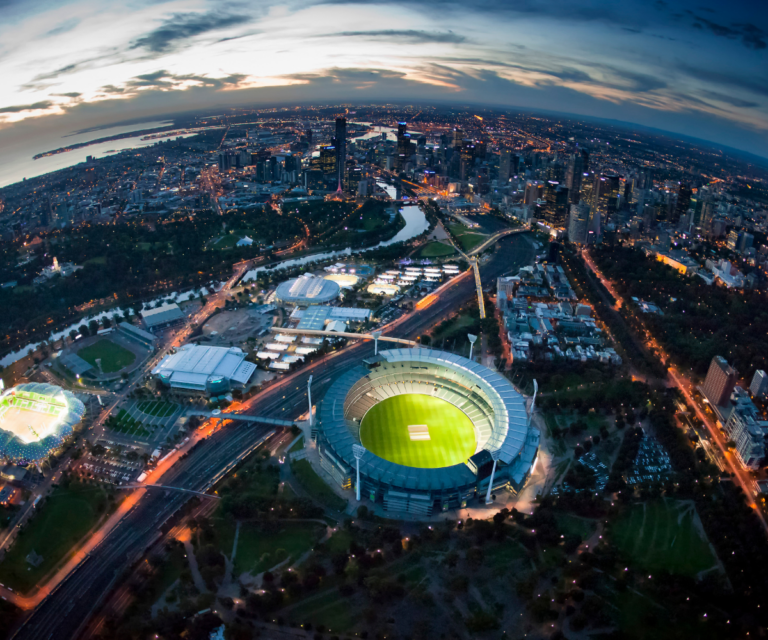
pixel 437 429
pixel 307 290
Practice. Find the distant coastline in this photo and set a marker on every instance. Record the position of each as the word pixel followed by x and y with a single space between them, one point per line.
pixel 119 136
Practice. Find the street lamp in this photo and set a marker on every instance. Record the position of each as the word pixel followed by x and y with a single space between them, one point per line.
pixel 472 340
pixel 309 397
pixel 358 451
pixel 376 335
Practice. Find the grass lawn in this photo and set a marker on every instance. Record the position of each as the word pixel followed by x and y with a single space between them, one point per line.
pixel 467 239
pixel 113 356
pixel 258 551
pixel 374 219
pixel 568 523
pixel 458 325
pixel 296 446
pixel 663 535
pixel 331 610
pixel 436 250
pixel 315 486
pixel 449 437
pixel 65 517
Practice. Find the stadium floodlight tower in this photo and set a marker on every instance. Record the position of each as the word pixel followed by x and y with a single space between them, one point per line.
pixel 309 397
pixel 472 340
pixel 358 450
pixel 376 335
pixel 495 456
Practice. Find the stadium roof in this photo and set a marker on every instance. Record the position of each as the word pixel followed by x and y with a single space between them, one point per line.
pixel 75 363
pixel 307 290
pixel 165 314
pixel 137 333
pixel 192 366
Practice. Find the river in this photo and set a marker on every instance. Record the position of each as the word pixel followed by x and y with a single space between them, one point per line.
pixel 415 224
pixel 15 165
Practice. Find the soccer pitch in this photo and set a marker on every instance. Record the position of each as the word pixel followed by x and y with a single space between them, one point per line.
pixel 416 430
pixel 113 356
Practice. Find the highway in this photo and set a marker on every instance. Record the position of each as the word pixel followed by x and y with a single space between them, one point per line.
pixel 65 611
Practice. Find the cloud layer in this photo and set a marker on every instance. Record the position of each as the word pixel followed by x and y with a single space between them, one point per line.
pixel 696 69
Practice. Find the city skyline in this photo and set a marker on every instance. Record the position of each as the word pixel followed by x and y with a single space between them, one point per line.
pixel 685 68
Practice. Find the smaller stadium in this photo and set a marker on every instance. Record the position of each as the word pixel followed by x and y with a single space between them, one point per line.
pixel 35 420
pixel 433 431
pixel 307 290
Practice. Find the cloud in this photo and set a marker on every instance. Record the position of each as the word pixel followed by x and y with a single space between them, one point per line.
pixel 412 36
pixel 751 36
pixel 45 104
pixel 166 81
pixel 71 94
pixel 753 84
pixel 183 26
pixel 732 100
pixel 64 27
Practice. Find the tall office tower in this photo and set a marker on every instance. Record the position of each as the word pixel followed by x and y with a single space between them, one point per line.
pixel 556 172
pixel 341 150
pixel 534 190
pixel 683 202
pixel 308 133
pixel 745 242
pixel 605 196
pixel 733 239
pixel 587 193
pixel 720 381
pixel 458 136
pixel 578 223
pixel 759 386
pixel 467 158
pixel 585 159
pixel 353 177
pixel 505 166
pixel 574 175
pixel 326 162
pixel 556 203
pixel 403 146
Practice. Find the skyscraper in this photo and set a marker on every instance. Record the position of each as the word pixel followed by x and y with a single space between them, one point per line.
pixel 403 146
pixel 505 166
pixel 720 381
pixel 578 224
pixel 341 150
pixel 759 386
pixel 683 202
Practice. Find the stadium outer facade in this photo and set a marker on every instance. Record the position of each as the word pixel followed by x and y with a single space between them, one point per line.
pixel 55 412
pixel 497 411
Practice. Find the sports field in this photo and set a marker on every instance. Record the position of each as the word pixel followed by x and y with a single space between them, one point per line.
pixel 113 356
pixel 664 534
pixel 417 430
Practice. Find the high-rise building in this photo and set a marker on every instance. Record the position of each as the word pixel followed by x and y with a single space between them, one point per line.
pixel 720 381
pixel 308 134
pixel 733 239
pixel 403 146
pixel 341 150
pixel 458 137
pixel 683 202
pixel 745 242
pixel 578 223
pixel 759 386
pixel 326 162
pixel 576 167
pixel 556 204
pixel 505 165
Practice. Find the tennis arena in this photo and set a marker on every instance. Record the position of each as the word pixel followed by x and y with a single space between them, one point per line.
pixel 35 420
pixel 432 424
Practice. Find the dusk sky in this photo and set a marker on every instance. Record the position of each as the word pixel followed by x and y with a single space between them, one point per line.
pixel 695 68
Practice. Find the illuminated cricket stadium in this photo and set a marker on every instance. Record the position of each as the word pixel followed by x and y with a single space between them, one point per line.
pixel 437 429
pixel 35 420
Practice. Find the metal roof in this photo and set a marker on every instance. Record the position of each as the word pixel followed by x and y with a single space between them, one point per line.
pixel 75 363
pixel 307 290
pixel 507 437
pixel 164 314
pixel 195 364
